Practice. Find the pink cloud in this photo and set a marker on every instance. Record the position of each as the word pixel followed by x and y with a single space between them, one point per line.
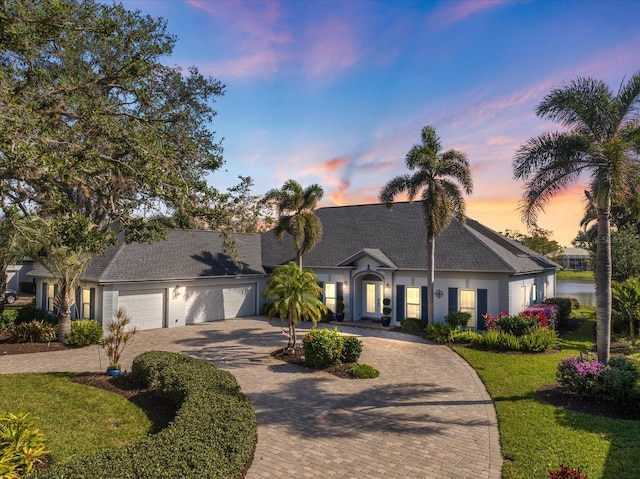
pixel 328 166
pixel 330 47
pixel 454 12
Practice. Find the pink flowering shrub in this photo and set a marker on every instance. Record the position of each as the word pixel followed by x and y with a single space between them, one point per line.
pixel 580 375
pixel 546 314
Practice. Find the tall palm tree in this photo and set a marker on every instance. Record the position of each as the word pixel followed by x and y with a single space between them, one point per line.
pixel 601 138
pixel 295 296
pixel 440 179
pixel 296 215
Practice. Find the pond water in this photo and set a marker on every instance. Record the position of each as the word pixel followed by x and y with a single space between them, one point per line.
pixel 583 291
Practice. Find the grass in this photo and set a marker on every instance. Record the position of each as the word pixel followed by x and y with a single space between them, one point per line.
pixel 535 435
pixel 575 275
pixel 75 419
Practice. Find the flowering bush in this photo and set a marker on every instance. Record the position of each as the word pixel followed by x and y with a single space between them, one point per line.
pixel 585 376
pixel 544 313
pixel 580 375
pixel 322 347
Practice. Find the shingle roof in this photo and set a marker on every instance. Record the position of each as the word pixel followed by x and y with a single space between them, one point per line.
pixel 185 254
pixel 399 234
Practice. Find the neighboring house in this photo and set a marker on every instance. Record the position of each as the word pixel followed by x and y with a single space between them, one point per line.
pixel 17 278
pixel 367 253
pixel 184 280
pixel 576 259
pixel 371 252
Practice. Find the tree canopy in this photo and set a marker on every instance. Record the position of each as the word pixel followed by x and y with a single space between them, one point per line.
pixel 539 240
pixel 93 124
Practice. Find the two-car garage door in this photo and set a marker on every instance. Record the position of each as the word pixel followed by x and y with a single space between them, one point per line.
pixel 211 303
pixel 146 308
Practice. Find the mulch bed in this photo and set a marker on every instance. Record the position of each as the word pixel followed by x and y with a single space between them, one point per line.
pixel 24 348
pixel 297 357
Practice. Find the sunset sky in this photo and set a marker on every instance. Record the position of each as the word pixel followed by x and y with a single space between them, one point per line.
pixel 336 92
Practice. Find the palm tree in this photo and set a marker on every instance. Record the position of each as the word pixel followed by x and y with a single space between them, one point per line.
pixel 40 239
pixel 601 138
pixel 295 295
pixel 439 179
pixel 296 216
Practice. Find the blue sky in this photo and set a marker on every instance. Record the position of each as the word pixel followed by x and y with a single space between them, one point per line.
pixel 336 92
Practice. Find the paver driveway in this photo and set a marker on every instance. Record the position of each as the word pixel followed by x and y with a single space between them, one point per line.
pixel 427 416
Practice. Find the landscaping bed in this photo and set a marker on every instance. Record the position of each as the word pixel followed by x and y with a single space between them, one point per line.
pixel 296 356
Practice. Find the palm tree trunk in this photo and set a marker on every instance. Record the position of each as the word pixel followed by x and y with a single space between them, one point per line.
pixel 300 259
pixel 292 334
pixel 64 301
pixel 603 283
pixel 431 247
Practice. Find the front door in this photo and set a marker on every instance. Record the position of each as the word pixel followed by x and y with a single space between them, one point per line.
pixel 371 299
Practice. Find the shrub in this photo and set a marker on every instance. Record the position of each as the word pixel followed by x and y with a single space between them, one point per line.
pixel 212 435
pixel 619 379
pixel 490 339
pixel 7 319
pixel 517 325
pixel 351 349
pixel 464 337
pixel 29 312
pixel 412 325
pixel 21 445
pixel 438 333
pixel 322 347
pixel 566 472
pixel 363 371
pixel 457 319
pixel 539 340
pixel 580 375
pixel 32 332
pixel 85 332
pixel 565 306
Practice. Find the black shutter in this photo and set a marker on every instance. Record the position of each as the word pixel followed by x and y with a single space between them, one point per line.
pixel 92 303
pixel 400 300
pixel 43 298
pixel 424 303
pixel 481 308
pixel 453 300
pixel 339 290
pixel 76 311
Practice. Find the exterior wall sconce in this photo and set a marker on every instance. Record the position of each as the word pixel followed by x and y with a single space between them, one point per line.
pixel 178 291
pixel 439 294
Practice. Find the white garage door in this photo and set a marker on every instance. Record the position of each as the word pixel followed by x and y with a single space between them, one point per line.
pixel 146 308
pixel 211 303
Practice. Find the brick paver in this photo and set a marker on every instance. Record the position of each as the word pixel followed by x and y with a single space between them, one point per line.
pixel 427 416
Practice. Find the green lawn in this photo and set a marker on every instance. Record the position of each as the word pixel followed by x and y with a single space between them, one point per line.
pixel 575 275
pixel 75 419
pixel 535 435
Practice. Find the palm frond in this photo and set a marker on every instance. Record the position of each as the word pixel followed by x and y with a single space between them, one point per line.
pixel 395 186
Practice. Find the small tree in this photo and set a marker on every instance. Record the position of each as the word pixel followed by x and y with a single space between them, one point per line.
pixel 626 304
pixel 118 338
pixel 295 296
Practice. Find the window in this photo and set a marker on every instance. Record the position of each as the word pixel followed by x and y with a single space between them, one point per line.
pixel 544 289
pixel 534 293
pixel 523 298
pixel 330 296
pixel 413 302
pixel 468 304
pixel 86 303
pixel 51 294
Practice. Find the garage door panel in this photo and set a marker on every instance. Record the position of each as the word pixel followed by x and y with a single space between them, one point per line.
pixel 146 308
pixel 213 303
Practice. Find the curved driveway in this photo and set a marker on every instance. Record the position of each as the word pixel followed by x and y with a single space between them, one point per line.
pixel 427 416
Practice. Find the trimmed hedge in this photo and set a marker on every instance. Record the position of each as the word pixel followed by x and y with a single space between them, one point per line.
pixel 212 435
